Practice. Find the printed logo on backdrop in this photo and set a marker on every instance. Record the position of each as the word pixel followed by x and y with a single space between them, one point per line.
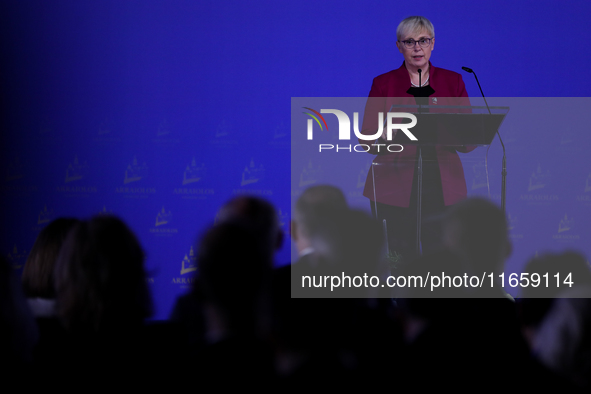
pixel 15 174
pixel 361 176
pixel 511 136
pixel 105 132
pixel 310 175
pixel 15 170
pixel 513 227
pixel 252 173
pixel 283 220
pixel 280 136
pixel 76 172
pixel 188 265
pixel 193 177
pixel 46 133
pixel 164 136
pixel 162 225
pixel 251 176
pixel 538 192
pixel 585 197
pixel 357 192
pixel 163 129
pixel 193 173
pixel 16 258
pixel 538 179
pixel 43 218
pixel 45 215
pixel 496 197
pixel 134 173
pixel 45 128
pixel 566 230
pixel 568 142
pixel 344 130
pixel 223 134
pixel 105 211
pixel 480 180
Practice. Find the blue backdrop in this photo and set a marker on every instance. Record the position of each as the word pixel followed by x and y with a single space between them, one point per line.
pixel 161 111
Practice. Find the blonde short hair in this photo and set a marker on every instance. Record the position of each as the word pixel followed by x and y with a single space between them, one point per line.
pixel 414 24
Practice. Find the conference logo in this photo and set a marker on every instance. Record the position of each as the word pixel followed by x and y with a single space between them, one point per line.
pixel 104 128
pixel 162 224
pixel 356 193
pixel 164 135
pixel 223 135
pixel 105 132
pixel 283 219
pixel 361 177
pixel 480 179
pixel 45 128
pixel 565 232
pixel 163 217
pixel 310 175
pixel 75 172
pixel 135 172
pixel 192 174
pixel 344 133
pixel 280 135
pixel 252 174
pixel 538 181
pixel 512 223
pixel 17 259
pixel 45 216
pixel 188 264
pixel 568 142
pixel 567 137
pixel 15 170
pixel 586 196
pixel 105 211
pixel 163 129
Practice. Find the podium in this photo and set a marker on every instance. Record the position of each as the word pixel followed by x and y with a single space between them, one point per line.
pixel 443 132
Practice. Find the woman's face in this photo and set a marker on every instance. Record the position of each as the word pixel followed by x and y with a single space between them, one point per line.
pixel 417 56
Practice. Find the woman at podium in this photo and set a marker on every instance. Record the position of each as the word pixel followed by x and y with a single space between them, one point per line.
pixel 392 182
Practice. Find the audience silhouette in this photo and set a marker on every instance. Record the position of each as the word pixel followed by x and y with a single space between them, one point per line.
pixel 278 328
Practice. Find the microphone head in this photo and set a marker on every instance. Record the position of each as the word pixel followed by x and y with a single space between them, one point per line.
pixel 420 71
pixel 467 69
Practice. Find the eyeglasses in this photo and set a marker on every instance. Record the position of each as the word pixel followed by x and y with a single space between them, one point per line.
pixel 423 43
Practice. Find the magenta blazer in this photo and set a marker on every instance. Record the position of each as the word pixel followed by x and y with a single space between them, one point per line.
pixel 394 172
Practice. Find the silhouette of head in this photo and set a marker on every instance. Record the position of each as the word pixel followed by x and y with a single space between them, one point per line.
pixel 312 202
pixel 37 276
pixel 100 277
pixel 258 214
pixel 476 229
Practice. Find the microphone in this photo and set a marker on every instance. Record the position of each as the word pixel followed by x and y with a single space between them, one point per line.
pixel 504 170
pixel 420 71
